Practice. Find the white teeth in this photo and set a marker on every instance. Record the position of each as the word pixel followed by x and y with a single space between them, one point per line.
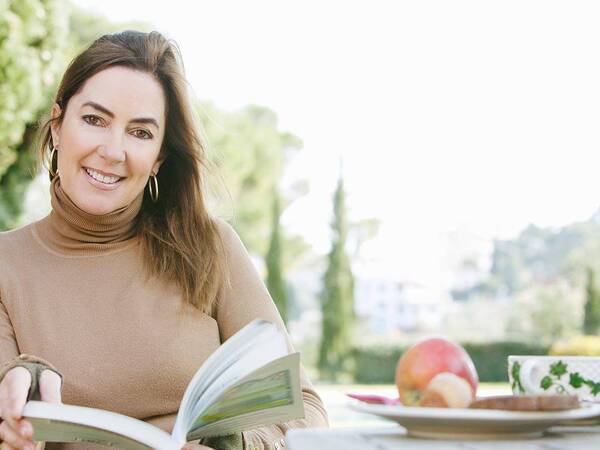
pixel 102 178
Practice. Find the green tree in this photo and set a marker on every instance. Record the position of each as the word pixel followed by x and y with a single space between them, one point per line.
pixel 337 297
pixel 275 278
pixel 33 36
pixel 85 27
pixel 542 255
pixel 545 313
pixel 591 310
pixel 249 153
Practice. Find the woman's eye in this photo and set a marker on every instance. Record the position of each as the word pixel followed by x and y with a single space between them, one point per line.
pixel 93 120
pixel 142 134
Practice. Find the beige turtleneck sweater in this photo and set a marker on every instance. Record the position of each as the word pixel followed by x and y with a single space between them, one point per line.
pixel 73 291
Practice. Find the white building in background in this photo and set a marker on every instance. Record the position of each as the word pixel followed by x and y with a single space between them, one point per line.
pixel 390 306
pixel 382 302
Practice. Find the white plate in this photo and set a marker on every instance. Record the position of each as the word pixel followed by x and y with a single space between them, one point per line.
pixel 459 423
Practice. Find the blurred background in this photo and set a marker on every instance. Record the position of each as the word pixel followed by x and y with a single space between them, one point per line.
pixel 396 169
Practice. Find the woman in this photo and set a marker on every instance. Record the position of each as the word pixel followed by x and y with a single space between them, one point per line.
pixel 121 292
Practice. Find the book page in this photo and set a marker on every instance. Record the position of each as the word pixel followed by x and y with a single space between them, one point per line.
pixel 49 430
pixel 210 371
pixel 266 347
pixel 269 395
pixel 253 395
pixel 69 423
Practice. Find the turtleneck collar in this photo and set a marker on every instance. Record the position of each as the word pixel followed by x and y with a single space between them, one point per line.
pixel 70 230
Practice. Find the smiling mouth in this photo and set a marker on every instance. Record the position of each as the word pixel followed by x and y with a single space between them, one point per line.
pixel 105 179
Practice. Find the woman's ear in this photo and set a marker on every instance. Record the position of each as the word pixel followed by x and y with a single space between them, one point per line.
pixel 54 125
pixel 157 165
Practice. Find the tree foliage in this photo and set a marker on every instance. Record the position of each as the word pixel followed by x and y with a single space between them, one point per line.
pixel 275 278
pixel 85 27
pixel 591 309
pixel 545 312
pixel 32 43
pixel 248 153
pixel 539 256
pixel 337 297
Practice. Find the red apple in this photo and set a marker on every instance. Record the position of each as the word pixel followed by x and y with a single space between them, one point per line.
pixel 424 360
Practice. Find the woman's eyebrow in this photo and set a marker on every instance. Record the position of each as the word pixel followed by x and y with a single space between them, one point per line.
pixel 110 114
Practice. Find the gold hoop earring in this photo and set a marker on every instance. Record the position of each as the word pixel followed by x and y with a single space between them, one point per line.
pixel 53 172
pixel 153 182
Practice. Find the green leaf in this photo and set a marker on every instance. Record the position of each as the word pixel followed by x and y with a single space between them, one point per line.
pixel 516 375
pixel 594 387
pixel 558 369
pixel 576 380
pixel 546 383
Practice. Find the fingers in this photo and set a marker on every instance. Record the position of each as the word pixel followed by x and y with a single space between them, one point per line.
pixel 49 385
pixel 17 439
pixel 13 394
pixel 15 431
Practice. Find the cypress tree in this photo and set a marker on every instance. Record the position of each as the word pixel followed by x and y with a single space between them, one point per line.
pixel 591 317
pixel 337 297
pixel 275 281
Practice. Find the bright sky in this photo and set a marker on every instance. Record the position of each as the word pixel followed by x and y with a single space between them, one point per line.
pixel 476 115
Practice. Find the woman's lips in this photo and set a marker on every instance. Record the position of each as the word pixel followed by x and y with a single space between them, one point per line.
pixel 101 172
pixel 100 184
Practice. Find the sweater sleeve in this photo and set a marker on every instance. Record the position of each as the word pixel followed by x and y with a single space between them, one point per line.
pixel 8 343
pixel 9 350
pixel 246 299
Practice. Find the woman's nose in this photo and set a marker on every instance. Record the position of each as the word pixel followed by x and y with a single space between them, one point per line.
pixel 113 150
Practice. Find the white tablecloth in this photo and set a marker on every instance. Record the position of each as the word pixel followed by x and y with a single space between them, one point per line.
pixel 388 438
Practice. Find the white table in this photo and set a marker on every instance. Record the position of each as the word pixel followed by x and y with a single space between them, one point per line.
pixel 388 438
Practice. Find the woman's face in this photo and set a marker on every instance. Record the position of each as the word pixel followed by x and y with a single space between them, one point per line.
pixel 109 139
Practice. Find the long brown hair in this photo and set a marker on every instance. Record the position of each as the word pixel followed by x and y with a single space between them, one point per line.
pixel 180 240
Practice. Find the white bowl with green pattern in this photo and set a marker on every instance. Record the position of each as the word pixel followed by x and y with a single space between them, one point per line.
pixel 550 375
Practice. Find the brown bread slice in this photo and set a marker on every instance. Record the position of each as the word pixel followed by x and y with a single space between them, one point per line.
pixel 527 402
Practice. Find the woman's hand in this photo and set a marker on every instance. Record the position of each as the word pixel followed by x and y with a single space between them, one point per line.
pixel 190 446
pixel 15 431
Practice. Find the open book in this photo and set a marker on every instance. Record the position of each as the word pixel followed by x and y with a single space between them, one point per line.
pixel 249 381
